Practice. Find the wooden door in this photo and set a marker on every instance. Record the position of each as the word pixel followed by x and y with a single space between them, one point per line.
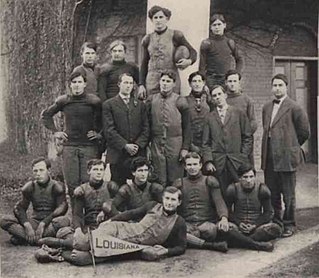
pixel 300 91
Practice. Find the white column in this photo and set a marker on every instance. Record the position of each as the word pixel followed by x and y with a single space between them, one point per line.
pixel 3 89
pixel 190 17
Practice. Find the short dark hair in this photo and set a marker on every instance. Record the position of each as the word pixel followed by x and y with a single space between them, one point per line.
pixel 173 190
pixel 124 74
pixel 94 162
pixel 170 73
pixel 218 86
pixel 215 17
pixel 116 43
pixel 280 76
pixel 232 72
pixel 192 75
pixel 40 159
pixel 139 162
pixel 193 155
pixel 88 45
pixel 244 168
pixel 155 9
pixel 77 74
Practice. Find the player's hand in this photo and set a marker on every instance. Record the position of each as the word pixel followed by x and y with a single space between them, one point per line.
pixel 250 227
pixel 160 250
pixel 152 253
pixel 40 230
pixel 141 94
pixel 223 224
pixel 243 228
pixel 132 149
pixel 182 155
pixel 93 135
pixel 78 192
pixel 210 167
pixel 100 217
pixel 183 63
pixel 30 234
pixel 61 136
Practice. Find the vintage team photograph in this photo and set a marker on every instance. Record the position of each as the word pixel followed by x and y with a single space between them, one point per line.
pixel 159 138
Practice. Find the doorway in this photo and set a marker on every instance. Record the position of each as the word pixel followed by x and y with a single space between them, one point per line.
pixel 303 87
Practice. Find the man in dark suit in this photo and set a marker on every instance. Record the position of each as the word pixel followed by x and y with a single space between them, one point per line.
pixel 126 129
pixel 286 128
pixel 227 139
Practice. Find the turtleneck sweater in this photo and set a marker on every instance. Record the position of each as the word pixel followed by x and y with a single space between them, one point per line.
pixel 109 77
pixel 89 204
pixel 81 114
pixel 216 55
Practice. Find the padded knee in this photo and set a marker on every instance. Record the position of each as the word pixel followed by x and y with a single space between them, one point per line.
pixel 60 222
pixel 65 232
pixel 208 231
pixel 273 229
pixel 7 221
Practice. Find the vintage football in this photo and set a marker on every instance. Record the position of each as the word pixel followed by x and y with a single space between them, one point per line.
pixel 181 52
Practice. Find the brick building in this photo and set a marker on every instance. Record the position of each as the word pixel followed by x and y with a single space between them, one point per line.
pixel 273 39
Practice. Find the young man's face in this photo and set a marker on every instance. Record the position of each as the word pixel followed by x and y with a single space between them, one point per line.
pixel 118 53
pixel 233 83
pixel 77 86
pixel 248 180
pixel 40 172
pixel 170 201
pixel 166 84
pixel 219 97
pixel 218 27
pixel 197 84
pixel 279 88
pixel 141 174
pixel 126 85
pixel 160 21
pixel 96 173
pixel 193 166
pixel 88 56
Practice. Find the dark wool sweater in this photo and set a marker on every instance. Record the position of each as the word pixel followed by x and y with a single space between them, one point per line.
pixel 109 77
pixel 48 201
pixel 81 114
pixel 216 55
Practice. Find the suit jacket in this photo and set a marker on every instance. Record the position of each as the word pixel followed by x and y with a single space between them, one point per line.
pixel 289 130
pixel 123 125
pixel 231 140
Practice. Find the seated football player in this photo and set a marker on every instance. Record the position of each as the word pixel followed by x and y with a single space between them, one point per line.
pixel 251 212
pixel 203 207
pixel 48 200
pixel 139 190
pixel 92 206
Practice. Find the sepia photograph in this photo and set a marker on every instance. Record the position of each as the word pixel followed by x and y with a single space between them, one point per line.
pixel 159 138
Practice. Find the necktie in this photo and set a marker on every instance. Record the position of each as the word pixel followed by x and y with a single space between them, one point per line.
pixel 126 100
pixel 222 115
pixel 277 101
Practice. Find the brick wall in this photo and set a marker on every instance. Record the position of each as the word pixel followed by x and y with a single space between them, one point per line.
pixel 258 43
pixel 258 69
pixel 111 20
